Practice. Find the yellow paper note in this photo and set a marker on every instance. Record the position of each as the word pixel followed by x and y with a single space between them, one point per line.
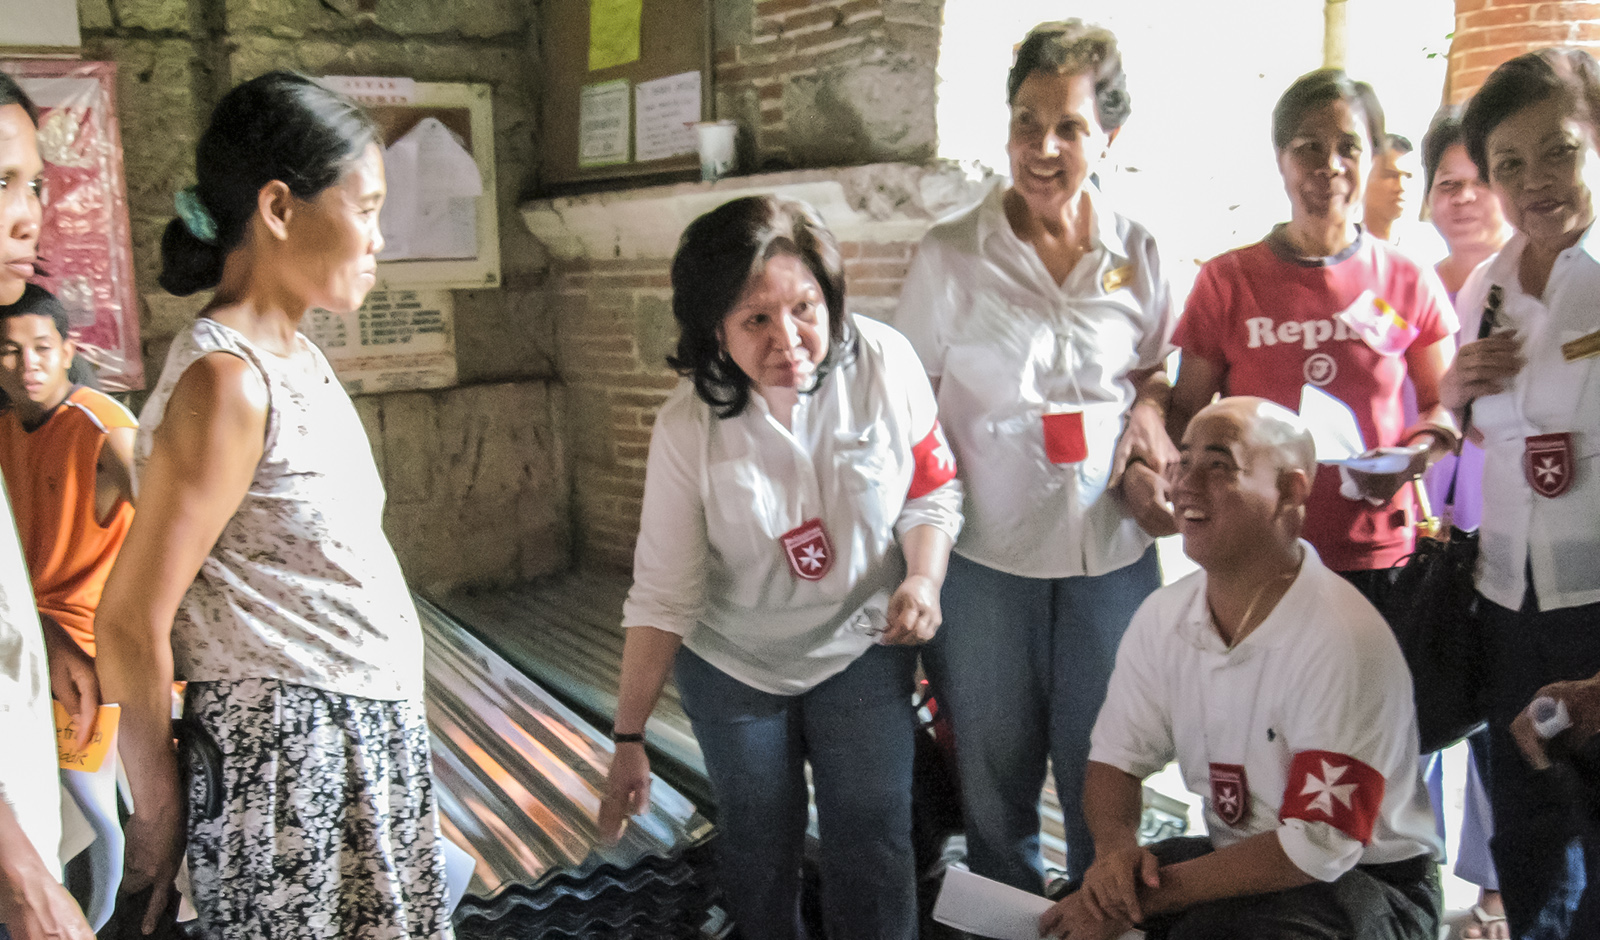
pixel 613 32
pixel 91 757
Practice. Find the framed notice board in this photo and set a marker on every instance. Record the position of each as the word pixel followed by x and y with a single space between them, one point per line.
pixel 440 223
pixel 623 76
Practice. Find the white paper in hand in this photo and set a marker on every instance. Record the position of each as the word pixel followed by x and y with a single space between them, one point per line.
pixel 1333 427
pixel 987 908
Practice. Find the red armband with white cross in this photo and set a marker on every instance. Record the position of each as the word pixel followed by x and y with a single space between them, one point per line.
pixel 933 463
pixel 1333 788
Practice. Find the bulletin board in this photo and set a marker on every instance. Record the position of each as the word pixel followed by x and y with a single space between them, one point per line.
pixel 635 43
pixel 459 119
pixel 85 245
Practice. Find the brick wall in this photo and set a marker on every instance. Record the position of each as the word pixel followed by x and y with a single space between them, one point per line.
pixel 1488 32
pixel 829 82
pixel 614 330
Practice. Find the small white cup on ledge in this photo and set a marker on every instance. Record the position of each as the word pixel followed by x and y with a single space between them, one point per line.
pixel 718 154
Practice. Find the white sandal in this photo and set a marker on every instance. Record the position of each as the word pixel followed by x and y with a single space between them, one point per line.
pixel 1483 920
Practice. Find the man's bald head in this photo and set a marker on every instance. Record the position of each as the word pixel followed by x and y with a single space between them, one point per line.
pixel 1243 484
pixel 1270 431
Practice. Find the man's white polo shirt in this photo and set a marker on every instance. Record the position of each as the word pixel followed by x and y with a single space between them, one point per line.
pixel 1306 727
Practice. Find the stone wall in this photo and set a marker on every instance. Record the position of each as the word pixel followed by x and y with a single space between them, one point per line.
pixel 818 83
pixel 1488 32
pixel 478 487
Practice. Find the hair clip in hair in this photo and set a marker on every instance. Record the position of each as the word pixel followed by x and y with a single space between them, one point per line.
pixel 196 217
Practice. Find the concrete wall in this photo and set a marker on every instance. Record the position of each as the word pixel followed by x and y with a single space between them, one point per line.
pixel 477 480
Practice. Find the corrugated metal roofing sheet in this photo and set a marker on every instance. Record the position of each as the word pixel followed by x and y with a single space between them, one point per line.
pixel 520 776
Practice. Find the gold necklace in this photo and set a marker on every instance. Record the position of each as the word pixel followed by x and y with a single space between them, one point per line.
pixel 1250 608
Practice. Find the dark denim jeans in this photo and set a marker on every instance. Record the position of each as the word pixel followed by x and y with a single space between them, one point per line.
pixel 1546 846
pixel 1021 667
pixel 856 730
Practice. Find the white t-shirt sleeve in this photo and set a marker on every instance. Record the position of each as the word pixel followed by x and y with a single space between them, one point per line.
pixel 927 298
pixel 1353 730
pixel 1133 732
pixel 671 555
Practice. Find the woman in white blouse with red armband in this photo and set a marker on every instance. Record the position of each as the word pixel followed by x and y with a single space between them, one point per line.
pixel 800 503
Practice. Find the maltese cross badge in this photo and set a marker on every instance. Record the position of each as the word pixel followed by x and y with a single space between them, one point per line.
pixel 1547 463
pixel 808 549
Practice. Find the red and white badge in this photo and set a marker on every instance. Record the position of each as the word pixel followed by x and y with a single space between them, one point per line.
pixel 933 462
pixel 1230 793
pixel 1547 463
pixel 809 550
pixel 1325 786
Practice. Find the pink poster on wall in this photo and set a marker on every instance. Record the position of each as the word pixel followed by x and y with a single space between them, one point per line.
pixel 85 247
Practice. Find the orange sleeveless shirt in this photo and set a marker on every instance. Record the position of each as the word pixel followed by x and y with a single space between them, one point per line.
pixel 50 474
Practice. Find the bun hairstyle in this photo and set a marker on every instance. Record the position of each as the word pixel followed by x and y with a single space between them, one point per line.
pixel 278 126
pixel 12 93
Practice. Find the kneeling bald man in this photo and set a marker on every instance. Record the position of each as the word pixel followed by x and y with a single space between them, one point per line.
pixel 1284 698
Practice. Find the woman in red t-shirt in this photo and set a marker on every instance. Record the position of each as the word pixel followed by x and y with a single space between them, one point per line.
pixel 1320 302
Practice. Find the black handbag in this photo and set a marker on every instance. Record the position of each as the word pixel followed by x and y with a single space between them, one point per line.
pixel 1434 613
pixel 1433 610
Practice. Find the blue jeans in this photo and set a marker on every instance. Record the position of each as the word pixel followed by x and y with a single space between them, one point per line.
pixel 1545 850
pixel 856 729
pixel 1021 667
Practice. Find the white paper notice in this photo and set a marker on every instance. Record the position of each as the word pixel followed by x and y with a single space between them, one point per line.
pixel 988 908
pixel 665 113
pixel 399 339
pixel 603 123
pixel 434 185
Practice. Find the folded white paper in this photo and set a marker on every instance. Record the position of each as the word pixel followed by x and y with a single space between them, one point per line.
pixel 988 908
pixel 1337 434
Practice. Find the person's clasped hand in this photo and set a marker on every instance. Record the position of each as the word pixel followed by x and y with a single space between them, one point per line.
pixel 913 614
pixel 1139 467
pixel 1074 918
pixel 1482 367
pixel 1107 904
pixel 1379 488
pixel 1582 700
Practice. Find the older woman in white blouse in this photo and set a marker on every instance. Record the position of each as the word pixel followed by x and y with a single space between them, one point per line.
pixel 1533 387
pixel 799 507
pixel 1043 318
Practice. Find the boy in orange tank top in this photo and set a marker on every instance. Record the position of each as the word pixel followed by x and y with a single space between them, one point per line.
pixel 67 454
